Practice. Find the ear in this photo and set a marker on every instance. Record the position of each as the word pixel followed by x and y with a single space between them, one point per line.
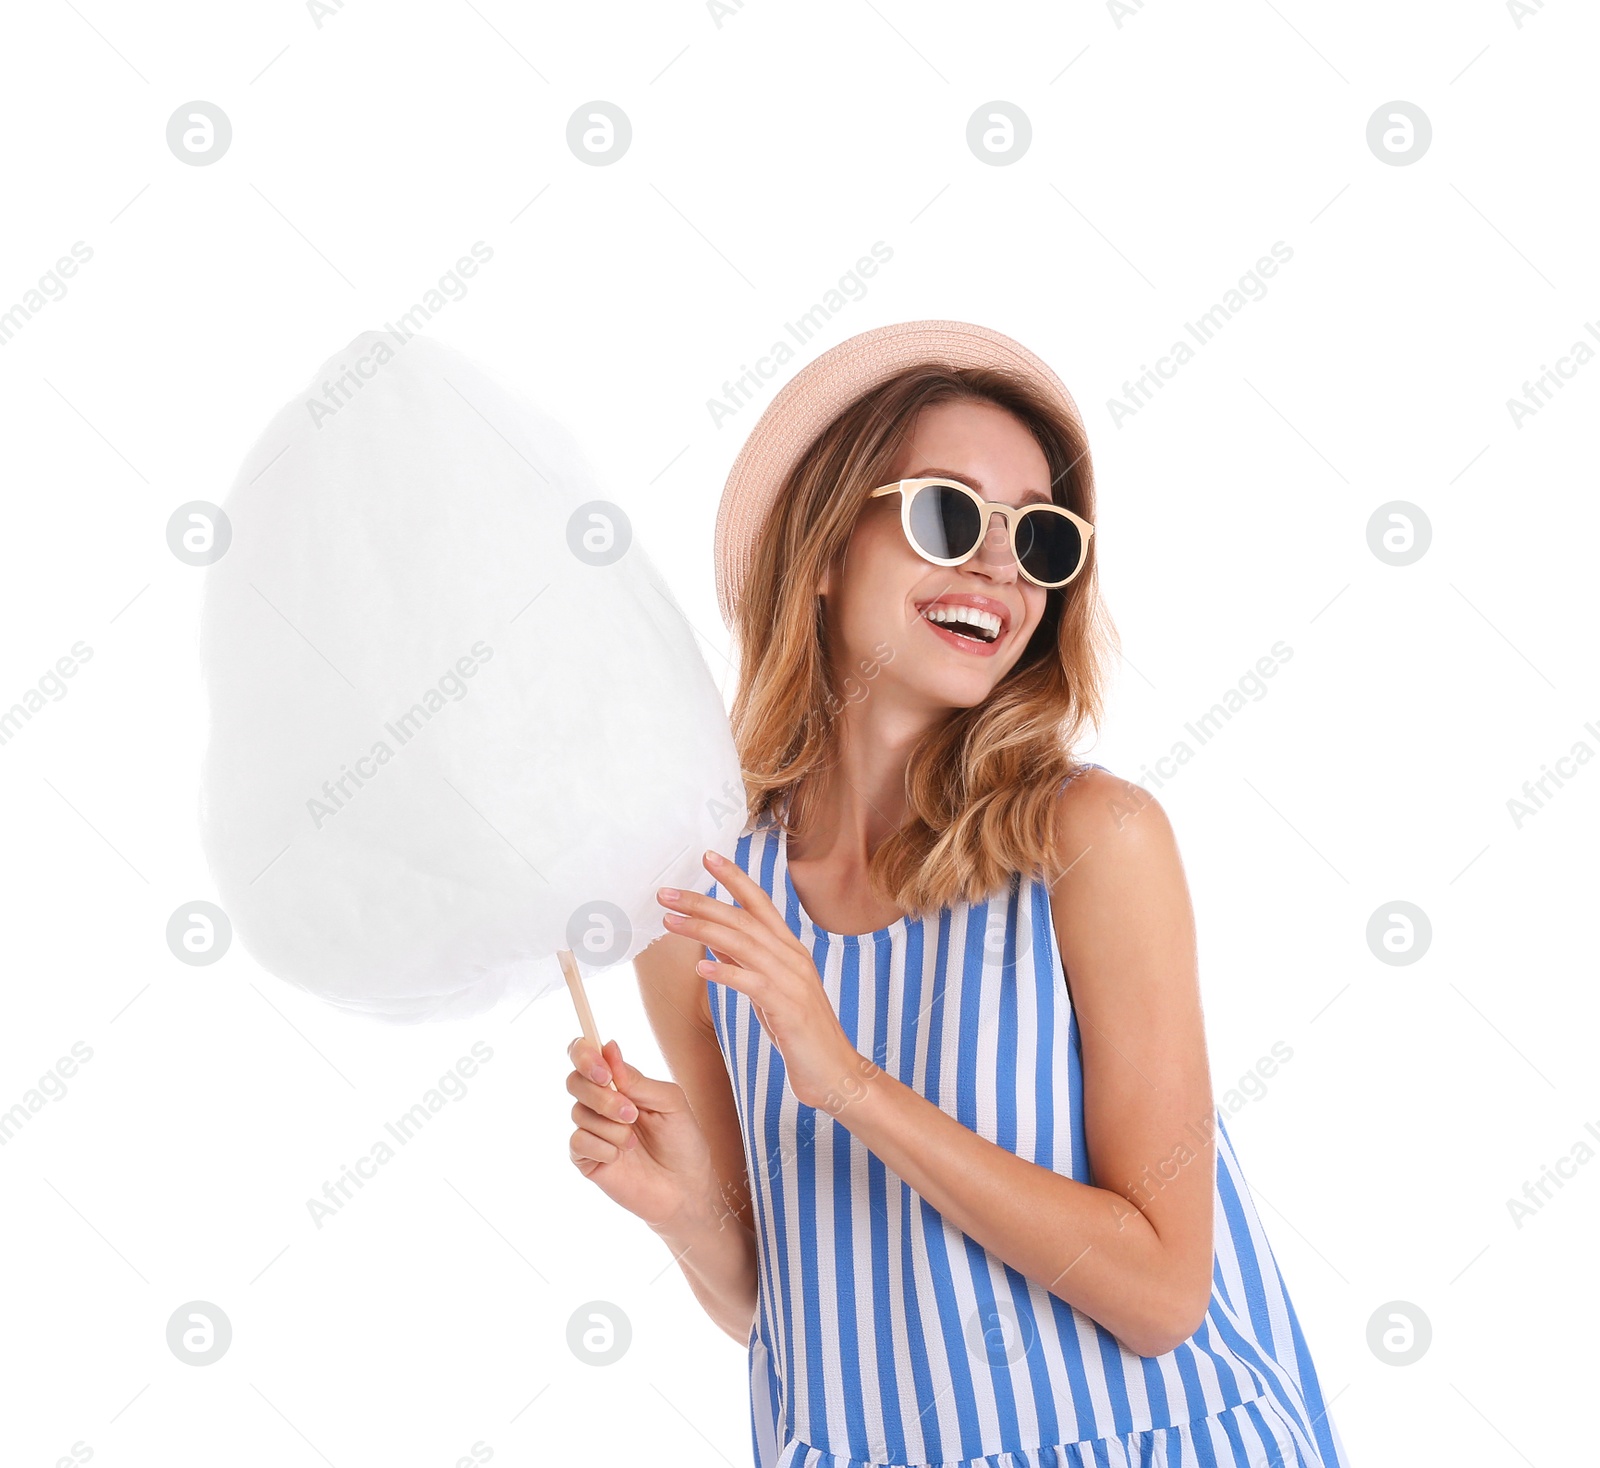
pixel 826 584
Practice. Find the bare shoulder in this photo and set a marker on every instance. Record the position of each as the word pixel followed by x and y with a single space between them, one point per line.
pixel 1122 826
pixel 1119 897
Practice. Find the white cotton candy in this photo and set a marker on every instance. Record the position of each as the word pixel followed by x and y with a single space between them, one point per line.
pixel 439 737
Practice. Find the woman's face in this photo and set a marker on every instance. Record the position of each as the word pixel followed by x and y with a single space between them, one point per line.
pixel 882 641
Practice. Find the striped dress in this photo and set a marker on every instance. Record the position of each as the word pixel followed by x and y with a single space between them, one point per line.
pixel 886 1336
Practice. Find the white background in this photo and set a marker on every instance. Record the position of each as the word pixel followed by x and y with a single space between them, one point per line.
pixel 769 153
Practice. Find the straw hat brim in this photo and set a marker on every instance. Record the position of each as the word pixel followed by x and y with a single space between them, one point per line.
pixel 823 389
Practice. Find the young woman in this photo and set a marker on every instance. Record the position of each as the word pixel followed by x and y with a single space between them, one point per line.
pixel 940 1147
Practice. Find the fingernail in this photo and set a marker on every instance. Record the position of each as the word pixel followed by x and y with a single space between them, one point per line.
pixel 671 894
pixel 673 917
pixel 629 1113
pixel 599 1073
pixel 714 857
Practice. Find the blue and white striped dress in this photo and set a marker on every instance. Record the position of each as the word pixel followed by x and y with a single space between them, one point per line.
pixel 886 1336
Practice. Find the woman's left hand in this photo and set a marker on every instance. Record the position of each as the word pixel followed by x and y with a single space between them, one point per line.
pixel 759 956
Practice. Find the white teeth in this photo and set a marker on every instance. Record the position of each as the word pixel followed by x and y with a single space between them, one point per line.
pixel 968 616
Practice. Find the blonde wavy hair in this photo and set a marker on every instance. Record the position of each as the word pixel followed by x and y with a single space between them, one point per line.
pixel 982 784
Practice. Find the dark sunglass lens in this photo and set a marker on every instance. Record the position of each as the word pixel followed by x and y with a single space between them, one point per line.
pixel 1048 546
pixel 944 521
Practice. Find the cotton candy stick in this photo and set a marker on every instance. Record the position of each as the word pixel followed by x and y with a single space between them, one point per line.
pixel 580 1002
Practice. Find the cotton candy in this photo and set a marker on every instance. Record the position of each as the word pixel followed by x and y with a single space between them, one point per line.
pixel 445 742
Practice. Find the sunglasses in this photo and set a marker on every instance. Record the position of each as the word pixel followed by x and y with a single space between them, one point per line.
pixel 946 521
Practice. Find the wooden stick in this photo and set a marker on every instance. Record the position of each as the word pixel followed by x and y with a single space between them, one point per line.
pixel 580 1002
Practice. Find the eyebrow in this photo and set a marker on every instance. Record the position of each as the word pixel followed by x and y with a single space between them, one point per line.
pixel 1033 496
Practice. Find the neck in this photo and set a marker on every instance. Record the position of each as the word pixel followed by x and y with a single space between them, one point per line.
pixel 853 806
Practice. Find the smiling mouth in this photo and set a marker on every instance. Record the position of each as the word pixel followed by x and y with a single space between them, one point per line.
pixel 967 622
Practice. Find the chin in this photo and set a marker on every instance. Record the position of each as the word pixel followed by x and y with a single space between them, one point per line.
pixel 960 691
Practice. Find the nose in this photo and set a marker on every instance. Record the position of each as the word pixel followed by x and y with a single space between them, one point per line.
pixel 994 555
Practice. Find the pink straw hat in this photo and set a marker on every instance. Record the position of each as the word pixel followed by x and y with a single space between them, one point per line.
pixel 823 389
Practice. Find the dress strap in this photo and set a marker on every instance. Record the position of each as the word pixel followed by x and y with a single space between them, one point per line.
pixel 1087 765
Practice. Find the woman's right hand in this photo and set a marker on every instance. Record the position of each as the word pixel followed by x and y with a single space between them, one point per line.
pixel 640 1143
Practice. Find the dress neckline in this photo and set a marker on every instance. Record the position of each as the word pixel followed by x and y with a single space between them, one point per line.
pixel 894 929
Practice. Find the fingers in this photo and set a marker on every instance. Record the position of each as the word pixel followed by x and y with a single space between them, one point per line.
pixel 698 915
pixel 589 1152
pixel 601 1100
pixel 604 1116
pixel 723 931
pixel 590 1122
pixel 636 1086
pixel 625 1085
pixel 591 1062
pixel 751 894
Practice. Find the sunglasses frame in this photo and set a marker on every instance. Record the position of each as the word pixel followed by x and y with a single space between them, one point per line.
pixel 907 489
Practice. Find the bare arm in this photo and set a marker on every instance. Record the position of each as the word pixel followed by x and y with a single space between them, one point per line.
pixel 1134 1251
pixel 713 1238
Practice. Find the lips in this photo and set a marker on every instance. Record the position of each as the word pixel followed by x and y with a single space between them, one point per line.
pixel 985 608
pixel 993 616
pixel 961 643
